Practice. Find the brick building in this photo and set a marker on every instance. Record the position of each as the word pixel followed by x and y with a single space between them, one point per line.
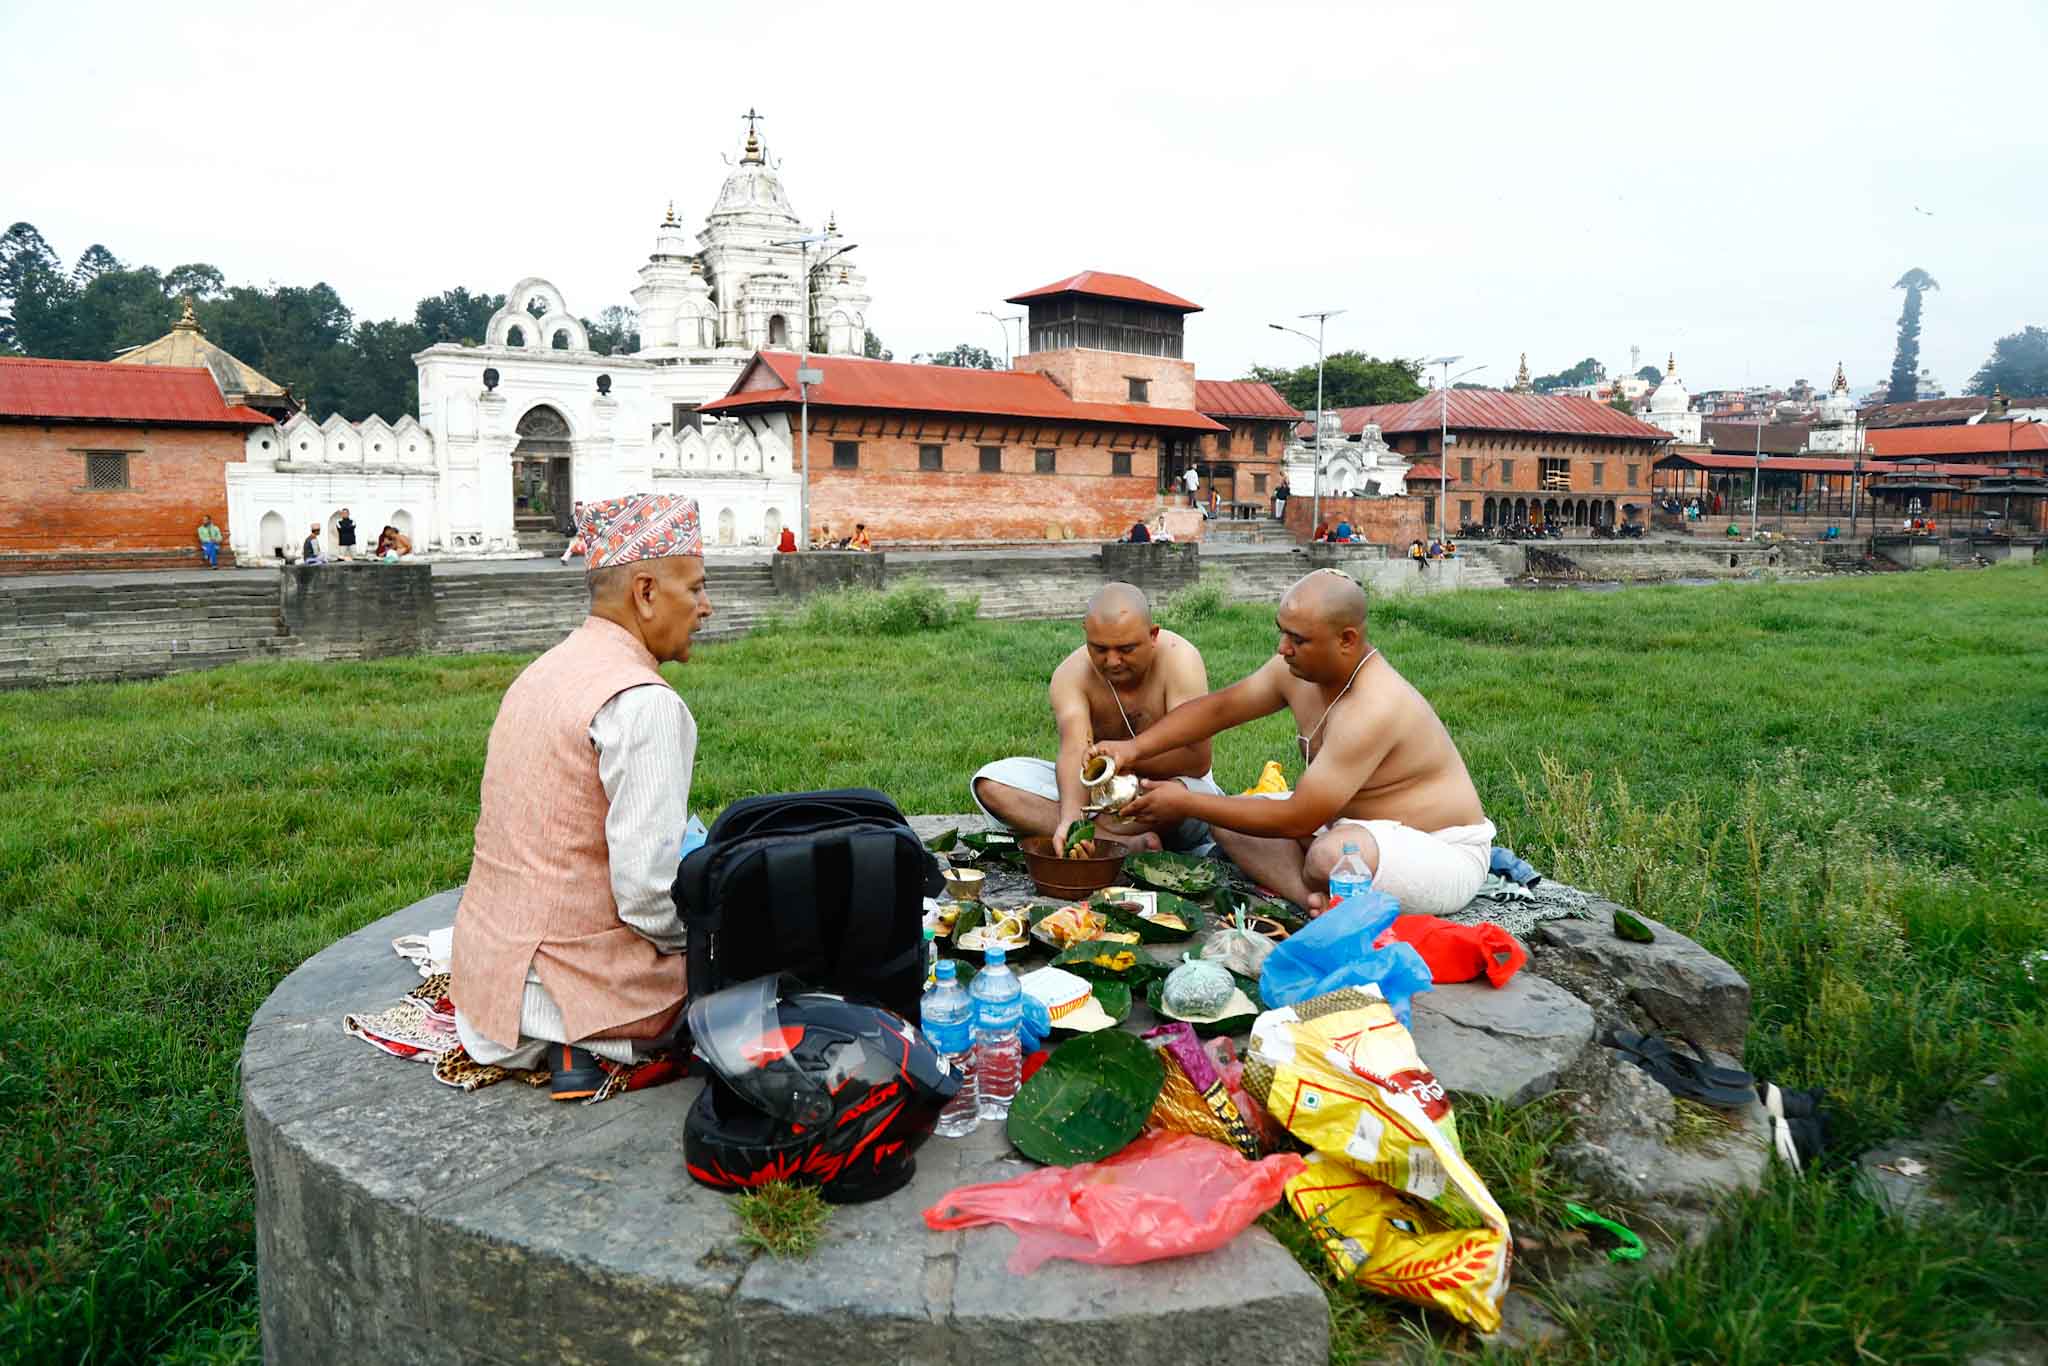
pixel 1243 462
pixel 106 466
pixel 1514 457
pixel 1075 442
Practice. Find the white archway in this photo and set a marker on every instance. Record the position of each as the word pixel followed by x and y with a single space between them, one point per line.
pixel 726 529
pixel 401 520
pixel 771 526
pixel 778 330
pixel 272 538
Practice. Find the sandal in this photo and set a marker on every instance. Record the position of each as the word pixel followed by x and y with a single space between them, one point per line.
pixel 1690 1077
pixel 577 1074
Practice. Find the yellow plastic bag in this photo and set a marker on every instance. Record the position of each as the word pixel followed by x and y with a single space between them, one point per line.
pixel 1272 778
pixel 1387 1191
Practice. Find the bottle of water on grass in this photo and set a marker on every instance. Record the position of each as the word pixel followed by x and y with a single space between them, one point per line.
pixel 998 1052
pixel 1350 877
pixel 947 1014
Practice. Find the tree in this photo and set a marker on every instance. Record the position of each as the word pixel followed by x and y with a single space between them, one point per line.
pixel 966 356
pixel 297 335
pixel 1905 383
pixel 1652 374
pixel 116 310
pixel 456 315
pixel 1587 371
pixel 26 261
pixel 871 346
pixel 196 281
pixel 93 262
pixel 1620 402
pixel 616 331
pixel 1351 379
pixel 2017 366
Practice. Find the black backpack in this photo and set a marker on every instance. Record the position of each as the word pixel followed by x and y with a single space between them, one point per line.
pixel 829 886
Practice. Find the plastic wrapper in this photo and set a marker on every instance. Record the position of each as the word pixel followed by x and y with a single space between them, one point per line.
pixel 1194 1099
pixel 1244 952
pixel 1335 950
pixel 1388 1192
pixel 1459 953
pixel 1166 1195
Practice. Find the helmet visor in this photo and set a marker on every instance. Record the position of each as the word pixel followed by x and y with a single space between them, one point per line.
pixel 740 1033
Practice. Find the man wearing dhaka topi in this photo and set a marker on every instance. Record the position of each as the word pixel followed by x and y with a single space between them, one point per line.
pixel 1382 772
pixel 568 948
pixel 1125 676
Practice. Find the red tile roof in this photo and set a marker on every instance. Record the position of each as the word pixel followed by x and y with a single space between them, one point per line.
pixel 1804 464
pixel 769 381
pixel 1242 398
pixel 101 391
pixel 1430 473
pixel 1103 285
pixel 1492 410
pixel 1985 438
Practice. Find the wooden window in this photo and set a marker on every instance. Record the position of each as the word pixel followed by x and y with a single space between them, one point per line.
pixel 931 457
pixel 1507 473
pixel 1464 510
pixel 991 459
pixel 1042 460
pixel 1632 476
pixel 846 455
pixel 1120 462
pixel 1554 474
pixel 1599 473
pixel 1223 442
pixel 1258 483
pixel 1141 389
pixel 1262 437
pixel 106 471
pixel 1464 469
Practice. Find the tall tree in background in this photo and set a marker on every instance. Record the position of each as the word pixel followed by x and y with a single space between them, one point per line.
pixel 1652 374
pixel 616 331
pixel 2017 366
pixel 26 260
pixel 1905 385
pixel 966 356
pixel 456 315
pixel 1587 371
pixel 93 262
pixel 871 346
pixel 1351 379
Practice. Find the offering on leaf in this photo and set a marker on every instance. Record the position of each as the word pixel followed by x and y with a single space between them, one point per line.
pixel 1183 873
pixel 1071 1001
pixel 1070 925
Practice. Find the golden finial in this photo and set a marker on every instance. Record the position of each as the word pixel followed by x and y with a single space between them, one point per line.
pixel 188 320
pixel 670 221
pixel 1670 364
pixel 842 275
pixel 1522 374
pixel 832 223
pixel 1841 384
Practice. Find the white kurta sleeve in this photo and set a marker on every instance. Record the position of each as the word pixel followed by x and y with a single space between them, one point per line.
pixel 646 743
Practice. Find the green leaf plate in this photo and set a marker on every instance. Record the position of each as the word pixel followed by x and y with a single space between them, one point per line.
pixel 1151 931
pixel 1080 960
pixel 1209 1029
pixel 1090 1099
pixel 1182 873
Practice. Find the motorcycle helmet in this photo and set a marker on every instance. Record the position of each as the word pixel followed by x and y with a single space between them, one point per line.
pixel 811 1088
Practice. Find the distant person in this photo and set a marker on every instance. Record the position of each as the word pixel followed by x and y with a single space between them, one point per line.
pixel 1140 533
pixel 824 538
pixel 1159 532
pixel 1323 532
pixel 309 549
pixel 1436 549
pixel 209 541
pixel 860 539
pixel 1189 480
pixel 577 545
pixel 1280 497
pixel 1418 554
pixel 1215 508
pixel 345 536
pixel 1343 532
pixel 787 545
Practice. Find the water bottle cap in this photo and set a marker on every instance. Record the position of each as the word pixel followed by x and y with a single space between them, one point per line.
pixel 1350 846
pixel 994 957
pixel 930 934
pixel 945 969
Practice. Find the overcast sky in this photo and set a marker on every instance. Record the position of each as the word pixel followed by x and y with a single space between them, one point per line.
pixel 1739 183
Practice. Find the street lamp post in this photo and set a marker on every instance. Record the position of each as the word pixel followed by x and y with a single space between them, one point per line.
pixel 1756 483
pixel 805 376
pixel 1856 476
pixel 1316 477
pixel 1443 434
pixel 1003 321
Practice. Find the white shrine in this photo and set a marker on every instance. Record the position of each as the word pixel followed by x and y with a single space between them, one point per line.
pixel 1670 407
pixel 513 432
pixel 1361 465
pixel 1834 427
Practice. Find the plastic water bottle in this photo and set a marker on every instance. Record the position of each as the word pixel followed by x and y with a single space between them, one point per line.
pixel 947 1014
pixel 998 1052
pixel 1350 877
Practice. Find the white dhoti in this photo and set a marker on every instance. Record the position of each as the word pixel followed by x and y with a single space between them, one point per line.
pixel 1040 778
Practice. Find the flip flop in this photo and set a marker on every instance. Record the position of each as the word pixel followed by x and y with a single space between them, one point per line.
pixel 1681 1075
pixel 1706 1067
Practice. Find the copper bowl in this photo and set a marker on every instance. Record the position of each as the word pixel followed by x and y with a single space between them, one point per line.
pixel 1072 879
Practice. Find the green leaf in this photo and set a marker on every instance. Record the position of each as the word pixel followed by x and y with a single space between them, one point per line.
pixel 1088 1101
pixel 1080 832
pixel 1080 960
pixel 1209 1029
pixel 1183 873
pixel 944 841
pixel 1151 931
pixel 1628 926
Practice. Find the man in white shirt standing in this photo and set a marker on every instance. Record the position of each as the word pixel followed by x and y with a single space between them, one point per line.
pixel 568 948
pixel 1191 481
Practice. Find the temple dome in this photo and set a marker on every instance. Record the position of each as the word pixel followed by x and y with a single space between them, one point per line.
pixel 1671 396
pixel 753 186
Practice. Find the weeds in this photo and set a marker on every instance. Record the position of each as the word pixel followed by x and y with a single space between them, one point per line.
pixel 903 609
pixel 782 1220
pixel 1199 602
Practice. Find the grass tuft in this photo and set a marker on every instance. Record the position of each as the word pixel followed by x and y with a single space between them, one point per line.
pixel 903 609
pixel 782 1220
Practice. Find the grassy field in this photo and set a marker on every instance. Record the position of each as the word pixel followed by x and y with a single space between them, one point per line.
pixel 1839 786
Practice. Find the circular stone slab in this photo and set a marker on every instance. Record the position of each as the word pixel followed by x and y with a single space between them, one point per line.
pixel 402 1221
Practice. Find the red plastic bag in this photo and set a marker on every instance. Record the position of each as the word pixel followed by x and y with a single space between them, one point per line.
pixel 1166 1195
pixel 1459 953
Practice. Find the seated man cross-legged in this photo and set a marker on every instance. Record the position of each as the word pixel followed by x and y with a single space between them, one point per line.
pixel 568 948
pixel 1127 675
pixel 1382 772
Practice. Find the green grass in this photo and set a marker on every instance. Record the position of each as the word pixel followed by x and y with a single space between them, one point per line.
pixel 1839 786
pixel 782 1220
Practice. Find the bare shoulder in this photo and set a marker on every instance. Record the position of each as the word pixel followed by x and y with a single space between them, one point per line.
pixel 1178 650
pixel 1070 679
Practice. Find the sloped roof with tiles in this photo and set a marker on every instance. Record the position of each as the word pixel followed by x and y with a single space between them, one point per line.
pixel 1492 410
pixel 1983 438
pixel 1242 398
pixel 1101 284
pixel 186 345
pixel 34 389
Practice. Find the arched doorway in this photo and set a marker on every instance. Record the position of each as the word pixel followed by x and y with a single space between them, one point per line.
pixel 541 489
pixel 1486 513
pixel 271 537
pixel 401 522
pixel 1521 510
pixel 771 526
pixel 1549 511
pixel 725 526
pixel 778 330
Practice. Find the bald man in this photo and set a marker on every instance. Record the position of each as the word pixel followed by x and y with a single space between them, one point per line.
pixel 1125 676
pixel 1381 770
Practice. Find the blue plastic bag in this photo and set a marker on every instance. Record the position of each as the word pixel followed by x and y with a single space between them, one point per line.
pixel 1335 950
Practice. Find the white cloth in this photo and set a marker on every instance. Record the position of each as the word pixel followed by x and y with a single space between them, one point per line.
pixel 646 742
pixel 1041 779
pixel 1430 872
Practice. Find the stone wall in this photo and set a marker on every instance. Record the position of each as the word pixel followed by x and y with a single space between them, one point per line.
pixel 1383 521
pixel 358 611
pixel 50 522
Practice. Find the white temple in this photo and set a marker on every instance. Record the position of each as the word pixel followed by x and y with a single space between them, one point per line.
pixel 1670 407
pixel 1834 428
pixel 1363 465
pixel 512 432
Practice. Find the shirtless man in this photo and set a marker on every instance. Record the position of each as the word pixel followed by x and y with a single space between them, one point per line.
pixel 1128 675
pixel 1382 771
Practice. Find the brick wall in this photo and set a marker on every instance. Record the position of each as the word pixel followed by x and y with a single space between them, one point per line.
pixel 1510 464
pixel 50 521
pixel 1105 376
pixel 1244 457
pixel 902 502
pixel 1383 521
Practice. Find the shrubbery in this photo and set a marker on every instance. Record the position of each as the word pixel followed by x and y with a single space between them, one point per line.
pixel 906 609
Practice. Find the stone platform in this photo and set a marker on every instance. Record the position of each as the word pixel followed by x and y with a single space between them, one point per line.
pixel 401 1221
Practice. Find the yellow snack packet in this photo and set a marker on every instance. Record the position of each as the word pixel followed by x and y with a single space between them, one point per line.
pixel 1272 778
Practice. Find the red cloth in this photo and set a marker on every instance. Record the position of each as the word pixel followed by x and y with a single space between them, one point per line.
pixel 787 544
pixel 1459 953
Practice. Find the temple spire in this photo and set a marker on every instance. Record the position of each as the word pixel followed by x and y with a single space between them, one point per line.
pixel 752 154
pixel 1841 384
pixel 1522 375
pixel 187 321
